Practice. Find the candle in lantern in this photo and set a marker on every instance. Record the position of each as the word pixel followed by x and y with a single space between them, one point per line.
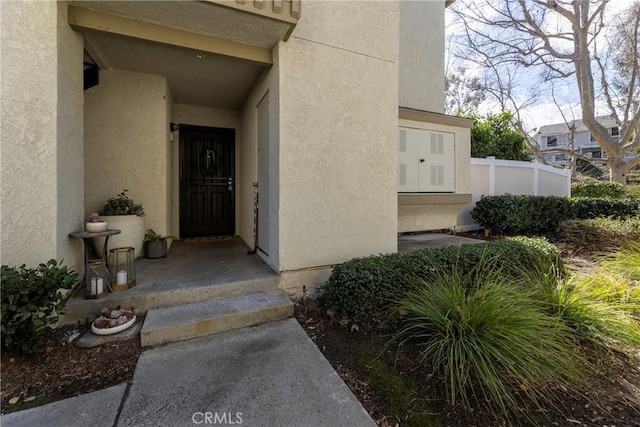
pixel 97 286
pixel 121 278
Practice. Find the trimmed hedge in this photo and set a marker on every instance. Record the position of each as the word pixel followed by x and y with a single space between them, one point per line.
pixel 521 214
pixel 539 214
pixel 590 208
pixel 359 288
pixel 598 189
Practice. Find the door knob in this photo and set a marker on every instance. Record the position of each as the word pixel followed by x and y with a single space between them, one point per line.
pixel 421 160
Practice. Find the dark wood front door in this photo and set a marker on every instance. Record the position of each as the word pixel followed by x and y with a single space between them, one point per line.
pixel 207 181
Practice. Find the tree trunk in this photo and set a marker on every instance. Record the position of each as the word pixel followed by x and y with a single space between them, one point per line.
pixel 617 169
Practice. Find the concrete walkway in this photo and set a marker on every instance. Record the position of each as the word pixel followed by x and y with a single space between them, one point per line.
pixel 270 375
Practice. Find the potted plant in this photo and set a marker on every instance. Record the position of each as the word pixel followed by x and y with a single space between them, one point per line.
pixel 155 245
pixel 94 224
pixel 113 321
pixel 124 214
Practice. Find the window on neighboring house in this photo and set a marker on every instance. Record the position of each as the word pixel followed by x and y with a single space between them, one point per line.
pixel 596 154
pixel 615 131
pixel 555 141
pixel 560 157
pixel 593 138
pixel 562 140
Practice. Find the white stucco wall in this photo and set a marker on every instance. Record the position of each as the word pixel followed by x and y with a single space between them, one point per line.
pixel 202 116
pixel 70 140
pixel 422 55
pixel 41 194
pixel 338 134
pixel 125 143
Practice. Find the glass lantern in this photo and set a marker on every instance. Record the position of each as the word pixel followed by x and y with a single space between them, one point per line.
pixel 97 280
pixel 123 268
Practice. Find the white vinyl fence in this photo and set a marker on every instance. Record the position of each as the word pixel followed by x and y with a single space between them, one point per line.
pixel 490 177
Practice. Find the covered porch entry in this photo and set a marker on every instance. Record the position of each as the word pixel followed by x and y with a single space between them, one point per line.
pixel 178 118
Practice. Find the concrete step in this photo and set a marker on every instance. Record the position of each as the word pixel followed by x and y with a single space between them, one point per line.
pixel 182 322
pixel 143 298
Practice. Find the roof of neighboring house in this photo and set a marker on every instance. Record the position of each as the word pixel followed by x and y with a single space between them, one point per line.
pixel 562 128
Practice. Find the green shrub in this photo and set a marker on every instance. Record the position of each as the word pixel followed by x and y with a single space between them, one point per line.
pixel 492 344
pixel 521 214
pixel 587 208
pixel 598 189
pixel 540 214
pixel 361 287
pixel 31 301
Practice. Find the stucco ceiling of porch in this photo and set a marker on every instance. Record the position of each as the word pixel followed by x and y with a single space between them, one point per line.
pixel 194 78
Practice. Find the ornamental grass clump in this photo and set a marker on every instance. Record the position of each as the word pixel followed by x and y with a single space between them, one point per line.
pixel 492 344
pixel 627 261
pixel 361 288
pixel 601 308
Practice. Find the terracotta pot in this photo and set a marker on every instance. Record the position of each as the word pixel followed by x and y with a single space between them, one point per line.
pixel 96 227
pixel 132 233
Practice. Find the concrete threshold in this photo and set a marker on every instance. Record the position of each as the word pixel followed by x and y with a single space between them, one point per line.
pixel 182 322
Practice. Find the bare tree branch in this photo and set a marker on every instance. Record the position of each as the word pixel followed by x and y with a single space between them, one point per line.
pixel 559 39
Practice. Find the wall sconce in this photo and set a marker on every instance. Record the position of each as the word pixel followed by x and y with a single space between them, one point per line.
pixel 173 127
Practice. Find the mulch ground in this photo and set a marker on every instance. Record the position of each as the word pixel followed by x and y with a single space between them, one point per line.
pixel 64 370
pixel 397 391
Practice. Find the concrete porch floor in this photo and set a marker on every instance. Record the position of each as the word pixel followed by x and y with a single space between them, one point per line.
pixel 192 272
pixel 213 262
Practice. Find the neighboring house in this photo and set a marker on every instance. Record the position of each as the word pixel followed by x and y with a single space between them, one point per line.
pixel 332 111
pixel 560 135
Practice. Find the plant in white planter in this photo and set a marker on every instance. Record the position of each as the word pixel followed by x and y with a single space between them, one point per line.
pixel 94 224
pixel 155 245
pixel 113 321
pixel 123 214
